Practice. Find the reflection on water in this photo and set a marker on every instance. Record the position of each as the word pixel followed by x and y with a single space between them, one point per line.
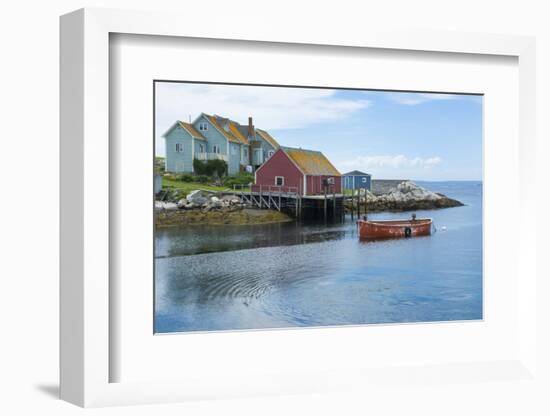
pixel 289 275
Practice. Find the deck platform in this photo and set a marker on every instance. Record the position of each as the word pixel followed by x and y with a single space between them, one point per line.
pixel 329 205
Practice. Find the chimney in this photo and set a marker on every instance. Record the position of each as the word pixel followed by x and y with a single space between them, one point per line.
pixel 250 128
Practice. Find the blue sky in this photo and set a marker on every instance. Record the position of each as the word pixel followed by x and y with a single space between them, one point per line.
pixel 392 135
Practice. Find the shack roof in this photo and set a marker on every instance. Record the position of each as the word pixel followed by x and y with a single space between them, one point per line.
pixel 356 173
pixel 311 162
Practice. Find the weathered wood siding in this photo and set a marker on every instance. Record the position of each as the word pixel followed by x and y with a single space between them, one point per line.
pixel 198 144
pixel 234 159
pixel 265 147
pixel 213 136
pixel 315 185
pixel 179 161
pixel 245 155
pixel 280 165
pixel 357 182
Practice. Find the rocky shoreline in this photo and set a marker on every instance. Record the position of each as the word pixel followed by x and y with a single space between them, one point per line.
pixel 209 208
pixel 406 196
pixel 233 216
pixel 206 208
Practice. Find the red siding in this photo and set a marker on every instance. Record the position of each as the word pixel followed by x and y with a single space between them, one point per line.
pixel 279 165
pixel 315 185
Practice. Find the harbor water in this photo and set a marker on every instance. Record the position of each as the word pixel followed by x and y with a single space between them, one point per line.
pixel 301 275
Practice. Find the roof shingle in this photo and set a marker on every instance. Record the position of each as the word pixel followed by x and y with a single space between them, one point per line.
pixel 311 162
pixel 268 138
pixel 232 133
pixel 356 173
pixel 191 130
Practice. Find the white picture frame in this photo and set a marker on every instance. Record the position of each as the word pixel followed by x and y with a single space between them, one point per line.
pixel 85 210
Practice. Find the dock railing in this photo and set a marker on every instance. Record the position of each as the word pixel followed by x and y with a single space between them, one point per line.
pixel 268 196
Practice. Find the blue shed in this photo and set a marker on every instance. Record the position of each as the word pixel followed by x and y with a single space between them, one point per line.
pixel 356 180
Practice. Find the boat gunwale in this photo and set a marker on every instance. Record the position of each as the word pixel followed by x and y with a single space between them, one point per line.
pixel 399 223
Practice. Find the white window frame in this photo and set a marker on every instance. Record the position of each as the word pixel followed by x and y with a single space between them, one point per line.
pixel 203 126
pixel 330 180
pixel 280 177
pixel 215 148
pixel 179 147
pixel 270 153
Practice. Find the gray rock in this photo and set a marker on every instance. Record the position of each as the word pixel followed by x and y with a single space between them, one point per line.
pixel 196 197
pixel 167 206
pixel 215 202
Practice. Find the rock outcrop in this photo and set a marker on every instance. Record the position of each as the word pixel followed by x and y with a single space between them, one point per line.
pixel 407 196
pixel 200 200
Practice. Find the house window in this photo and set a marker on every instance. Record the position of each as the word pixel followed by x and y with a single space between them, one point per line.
pixel 201 148
pixel 330 181
pixel 215 149
pixel 270 153
pixel 203 126
pixel 179 148
pixel 279 180
pixel 245 152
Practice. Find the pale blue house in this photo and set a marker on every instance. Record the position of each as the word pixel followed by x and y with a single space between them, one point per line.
pixel 243 147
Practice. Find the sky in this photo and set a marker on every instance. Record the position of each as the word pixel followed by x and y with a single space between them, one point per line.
pixel 391 135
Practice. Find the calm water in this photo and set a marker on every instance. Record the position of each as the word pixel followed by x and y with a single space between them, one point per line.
pixel 291 275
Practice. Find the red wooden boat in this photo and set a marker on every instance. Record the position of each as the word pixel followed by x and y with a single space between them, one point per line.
pixel 413 227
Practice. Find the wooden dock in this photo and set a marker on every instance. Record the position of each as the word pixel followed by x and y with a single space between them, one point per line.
pixel 290 200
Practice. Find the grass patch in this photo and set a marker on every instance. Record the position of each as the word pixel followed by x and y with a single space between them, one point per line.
pixel 190 186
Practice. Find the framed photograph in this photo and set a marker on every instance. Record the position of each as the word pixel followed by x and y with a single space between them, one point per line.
pixel 318 218
pixel 276 214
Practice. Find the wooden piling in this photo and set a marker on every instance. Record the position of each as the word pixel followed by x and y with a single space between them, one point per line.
pixel 359 203
pixel 325 203
pixel 334 203
pixel 352 191
pixel 366 208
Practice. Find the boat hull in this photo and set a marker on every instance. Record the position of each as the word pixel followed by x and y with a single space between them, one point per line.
pixel 369 230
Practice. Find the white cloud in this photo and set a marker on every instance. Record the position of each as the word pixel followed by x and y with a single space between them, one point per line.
pixel 392 162
pixel 414 98
pixel 271 107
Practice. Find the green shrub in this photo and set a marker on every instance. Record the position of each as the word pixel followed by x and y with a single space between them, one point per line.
pixel 170 176
pixel 241 179
pixel 199 167
pixel 215 167
pixel 201 179
pixel 185 177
